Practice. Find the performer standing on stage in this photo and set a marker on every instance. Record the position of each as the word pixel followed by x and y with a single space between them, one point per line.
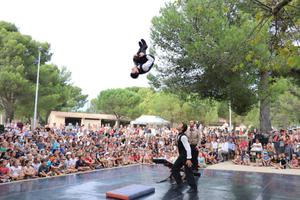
pixel 184 159
pixel 194 136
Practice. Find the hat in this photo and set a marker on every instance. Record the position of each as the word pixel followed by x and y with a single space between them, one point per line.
pixel 68 153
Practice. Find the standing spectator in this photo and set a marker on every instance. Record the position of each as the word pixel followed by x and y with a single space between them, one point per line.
pixel 194 137
pixel 289 150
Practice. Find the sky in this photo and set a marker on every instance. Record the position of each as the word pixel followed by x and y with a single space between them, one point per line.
pixel 94 39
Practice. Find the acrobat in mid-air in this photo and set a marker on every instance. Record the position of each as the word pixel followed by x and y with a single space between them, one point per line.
pixel 143 62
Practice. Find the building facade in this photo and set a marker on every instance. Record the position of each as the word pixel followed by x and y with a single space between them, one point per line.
pixel 90 120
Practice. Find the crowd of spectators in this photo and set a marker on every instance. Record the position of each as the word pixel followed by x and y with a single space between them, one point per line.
pixel 278 149
pixel 55 151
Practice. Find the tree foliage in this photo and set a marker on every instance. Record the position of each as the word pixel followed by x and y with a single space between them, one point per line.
pixel 226 50
pixel 18 69
pixel 120 102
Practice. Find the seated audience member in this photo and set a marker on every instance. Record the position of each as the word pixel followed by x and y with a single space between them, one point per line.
pixel 275 161
pixel 231 148
pixel 237 159
pixel 201 160
pixel 36 164
pixel 119 158
pixel 294 164
pixel 44 169
pixel 70 164
pixel 257 147
pixel 80 164
pixel 63 166
pixel 266 160
pixel 258 161
pixel 126 160
pixel 212 158
pixel 224 150
pixel 246 159
pixel 4 171
pixel 282 162
pixel 17 171
pixel 29 170
pixel 88 160
pixel 55 166
pixel 271 148
pixel 96 163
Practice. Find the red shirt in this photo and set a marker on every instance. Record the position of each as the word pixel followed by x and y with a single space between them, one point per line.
pixel 4 170
pixel 244 144
pixel 88 160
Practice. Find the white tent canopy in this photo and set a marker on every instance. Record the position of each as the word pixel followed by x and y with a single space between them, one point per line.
pixel 150 120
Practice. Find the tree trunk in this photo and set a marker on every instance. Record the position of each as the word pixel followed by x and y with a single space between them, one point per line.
pixel 118 119
pixel 265 103
pixel 117 124
pixel 9 114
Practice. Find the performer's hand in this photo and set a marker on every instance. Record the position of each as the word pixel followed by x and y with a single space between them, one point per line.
pixel 189 163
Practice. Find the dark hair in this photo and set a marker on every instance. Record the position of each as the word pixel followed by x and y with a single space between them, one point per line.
pixel 184 127
pixel 134 75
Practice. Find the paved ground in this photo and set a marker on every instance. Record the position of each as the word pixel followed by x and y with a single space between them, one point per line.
pixel 232 167
pixel 213 185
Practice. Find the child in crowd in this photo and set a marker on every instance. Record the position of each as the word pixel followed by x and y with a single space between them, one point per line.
pixel 29 170
pixel 282 162
pixel 246 159
pixel 266 160
pixel 44 170
pixel 55 166
pixel 294 164
pixel 17 171
pixel 4 171
pixel 237 159
pixel 258 161
pixel 201 160
pixel 81 165
pixel 275 161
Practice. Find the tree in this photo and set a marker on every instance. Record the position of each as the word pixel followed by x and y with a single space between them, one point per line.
pixel 18 56
pixel 18 69
pixel 221 49
pixel 120 102
pixel 167 106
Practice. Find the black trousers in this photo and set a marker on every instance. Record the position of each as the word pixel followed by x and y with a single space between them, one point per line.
pixel 195 154
pixel 188 172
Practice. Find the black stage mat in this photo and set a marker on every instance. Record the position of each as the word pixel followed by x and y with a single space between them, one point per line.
pixel 213 184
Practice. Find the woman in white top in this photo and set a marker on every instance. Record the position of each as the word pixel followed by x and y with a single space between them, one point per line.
pixel 257 146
